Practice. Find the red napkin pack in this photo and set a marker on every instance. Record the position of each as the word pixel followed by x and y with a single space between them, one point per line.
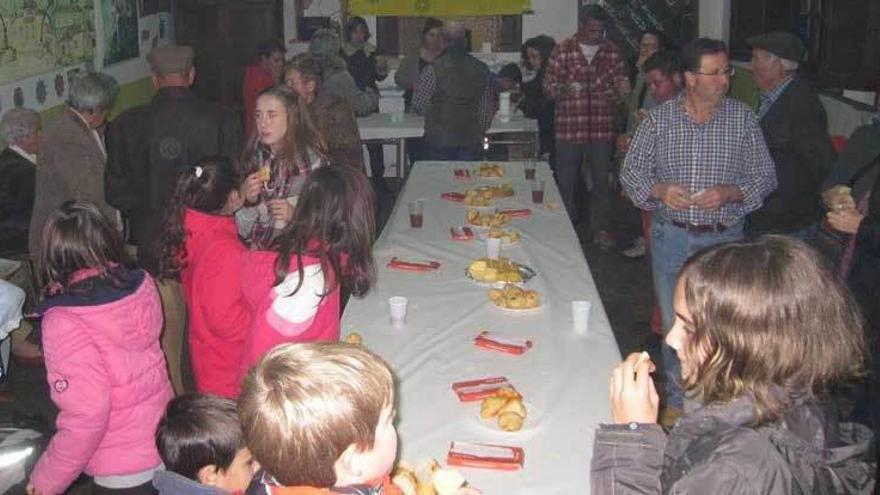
pixel 462 233
pixel 521 212
pixel 462 174
pixel 474 390
pixel 453 196
pixel 486 456
pixel 416 266
pixel 510 345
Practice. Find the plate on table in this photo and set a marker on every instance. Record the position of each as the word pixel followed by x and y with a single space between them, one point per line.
pixel 509 297
pixel 526 273
pixel 506 241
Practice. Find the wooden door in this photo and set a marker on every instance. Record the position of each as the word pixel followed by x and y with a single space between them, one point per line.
pixel 225 35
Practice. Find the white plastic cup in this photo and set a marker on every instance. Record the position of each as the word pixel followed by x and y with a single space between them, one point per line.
pixel 580 314
pixel 397 307
pixel 493 248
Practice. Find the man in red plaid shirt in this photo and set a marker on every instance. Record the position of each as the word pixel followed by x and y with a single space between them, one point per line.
pixel 586 76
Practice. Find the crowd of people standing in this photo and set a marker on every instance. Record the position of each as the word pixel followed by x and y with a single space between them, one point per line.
pixel 175 233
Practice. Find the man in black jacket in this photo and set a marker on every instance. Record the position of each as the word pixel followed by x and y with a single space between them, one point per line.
pixel 795 128
pixel 149 145
pixel 20 128
pixel 147 148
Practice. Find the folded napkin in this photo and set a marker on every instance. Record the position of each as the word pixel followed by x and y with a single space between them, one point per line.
pixel 462 174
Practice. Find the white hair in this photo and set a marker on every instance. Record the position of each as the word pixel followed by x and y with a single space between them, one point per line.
pixel 18 124
pixel 788 66
pixel 92 91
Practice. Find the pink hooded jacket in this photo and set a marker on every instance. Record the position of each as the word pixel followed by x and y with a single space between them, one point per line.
pixel 107 376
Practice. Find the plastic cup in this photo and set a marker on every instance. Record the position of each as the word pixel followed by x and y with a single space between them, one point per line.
pixel 397 308
pixel 529 169
pixel 580 314
pixel 416 217
pixel 493 248
pixel 538 191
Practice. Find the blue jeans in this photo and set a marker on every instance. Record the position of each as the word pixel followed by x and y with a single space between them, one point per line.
pixel 469 152
pixel 671 247
pixel 592 162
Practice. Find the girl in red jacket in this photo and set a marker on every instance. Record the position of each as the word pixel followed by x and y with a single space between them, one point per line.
pixel 201 245
pixel 106 371
pixel 295 290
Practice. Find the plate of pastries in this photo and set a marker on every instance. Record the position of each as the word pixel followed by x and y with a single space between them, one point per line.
pixel 489 170
pixel 486 219
pixel 513 298
pixel 502 270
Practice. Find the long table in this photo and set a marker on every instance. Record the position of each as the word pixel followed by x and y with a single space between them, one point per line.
pixel 380 127
pixel 563 378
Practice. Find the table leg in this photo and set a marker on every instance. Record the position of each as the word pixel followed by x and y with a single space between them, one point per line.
pixel 401 158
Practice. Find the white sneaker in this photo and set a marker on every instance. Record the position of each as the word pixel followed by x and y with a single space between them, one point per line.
pixel 637 250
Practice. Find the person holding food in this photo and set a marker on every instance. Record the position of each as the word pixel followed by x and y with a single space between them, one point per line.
pixel 761 329
pixel 282 152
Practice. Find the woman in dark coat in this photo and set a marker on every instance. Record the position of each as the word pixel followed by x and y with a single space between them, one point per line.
pixel 535 54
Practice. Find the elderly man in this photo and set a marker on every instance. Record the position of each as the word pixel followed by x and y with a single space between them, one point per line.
pixel 453 94
pixel 20 128
pixel 795 129
pixel 70 164
pixel 148 147
pixel 700 163
pixel 586 77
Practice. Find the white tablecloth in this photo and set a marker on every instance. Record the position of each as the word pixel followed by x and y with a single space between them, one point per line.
pixel 380 126
pixel 563 378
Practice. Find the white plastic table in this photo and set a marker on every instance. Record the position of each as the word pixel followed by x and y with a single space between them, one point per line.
pixel 563 378
pixel 381 127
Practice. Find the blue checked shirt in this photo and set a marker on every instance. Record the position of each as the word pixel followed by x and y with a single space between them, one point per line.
pixel 729 149
pixel 770 97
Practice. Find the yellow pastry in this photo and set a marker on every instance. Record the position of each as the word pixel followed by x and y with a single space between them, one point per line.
pixel 354 338
pixel 514 406
pixel 447 481
pixel 510 421
pixel 491 405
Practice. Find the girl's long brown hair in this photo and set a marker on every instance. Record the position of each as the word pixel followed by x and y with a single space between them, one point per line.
pixel 302 134
pixel 768 317
pixel 334 218
pixel 77 236
pixel 204 187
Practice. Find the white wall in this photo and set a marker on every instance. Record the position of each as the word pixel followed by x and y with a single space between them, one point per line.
pixel 714 19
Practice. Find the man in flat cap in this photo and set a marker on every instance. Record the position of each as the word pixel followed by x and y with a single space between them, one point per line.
pixel 148 147
pixel 795 128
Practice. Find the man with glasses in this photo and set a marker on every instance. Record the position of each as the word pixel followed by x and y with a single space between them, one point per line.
pixel 698 161
pixel 796 130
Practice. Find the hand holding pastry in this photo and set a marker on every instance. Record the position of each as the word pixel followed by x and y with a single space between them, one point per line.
pixel 634 398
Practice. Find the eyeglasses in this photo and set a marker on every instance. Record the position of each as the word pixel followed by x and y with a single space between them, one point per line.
pixel 728 71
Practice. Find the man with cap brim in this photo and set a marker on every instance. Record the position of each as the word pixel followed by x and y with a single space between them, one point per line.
pixel 795 128
pixel 148 146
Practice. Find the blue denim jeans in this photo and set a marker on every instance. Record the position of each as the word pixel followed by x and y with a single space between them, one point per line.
pixel 671 247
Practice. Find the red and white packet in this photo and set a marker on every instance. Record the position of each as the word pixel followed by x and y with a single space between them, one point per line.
pixel 473 390
pixel 462 233
pixel 515 213
pixel 510 345
pixel 455 197
pixel 486 456
pixel 462 174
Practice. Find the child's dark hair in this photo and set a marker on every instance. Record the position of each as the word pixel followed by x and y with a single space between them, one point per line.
pixel 196 431
pixel 335 217
pixel 203 187
pixel 77 236
pixel 512 72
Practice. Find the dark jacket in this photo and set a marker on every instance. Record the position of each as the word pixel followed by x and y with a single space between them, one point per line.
pixel 796 131
pixel 536 105
pixel 361 64
pixel 337 123
pixel 171 483
pixel 17 176
pixel 149 145
pixel 715 450
pixel 453 115
pixel 864 276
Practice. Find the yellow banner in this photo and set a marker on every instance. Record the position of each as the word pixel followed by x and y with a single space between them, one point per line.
pixel 438 8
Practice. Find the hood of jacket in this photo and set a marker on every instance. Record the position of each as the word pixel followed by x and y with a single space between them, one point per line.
pixel 201 226
pixel 112 305
pixel 171 483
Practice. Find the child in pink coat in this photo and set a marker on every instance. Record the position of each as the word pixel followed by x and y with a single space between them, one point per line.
pixel 295 291
pixel 200 244
pixel 106 371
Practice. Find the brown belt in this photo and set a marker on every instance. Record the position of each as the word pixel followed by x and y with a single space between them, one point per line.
pixel 701 229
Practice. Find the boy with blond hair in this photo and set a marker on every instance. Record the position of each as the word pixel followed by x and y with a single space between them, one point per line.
pixel 319 418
